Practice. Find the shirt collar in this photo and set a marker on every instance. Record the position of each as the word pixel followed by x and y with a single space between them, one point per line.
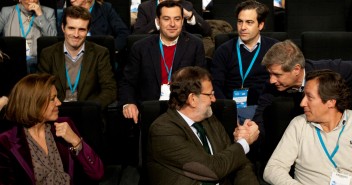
pixel 80 53
pixel 187 119
pixel 171 44
pixel 342 122
pixel 245 47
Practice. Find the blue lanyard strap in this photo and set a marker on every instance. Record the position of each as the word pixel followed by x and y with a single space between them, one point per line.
pixel 240 61
pixel 336 147
pixel 21 24
pixel 169 71
pixel 91 7
pixel 73 89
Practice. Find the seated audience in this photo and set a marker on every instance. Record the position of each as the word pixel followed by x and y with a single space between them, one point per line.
pixel 287 68
pixel 30 20
pixel 82 68
pixel 39 147
pixel 188 144
pixel 236 67
pixel 146 19
pixel 153 60
pixel 105 21
pixel 317 143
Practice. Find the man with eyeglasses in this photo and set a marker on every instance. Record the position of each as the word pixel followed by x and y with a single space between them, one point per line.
pixel 188 143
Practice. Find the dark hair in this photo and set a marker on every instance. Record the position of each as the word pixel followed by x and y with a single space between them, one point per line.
pixel 261 9
pixel 286 54
pixel 29 98
pixel 76 12
pixel 185 81
pixel 331 86
pixel 168 4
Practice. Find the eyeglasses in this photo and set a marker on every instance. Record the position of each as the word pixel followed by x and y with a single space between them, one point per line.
pixel 209 94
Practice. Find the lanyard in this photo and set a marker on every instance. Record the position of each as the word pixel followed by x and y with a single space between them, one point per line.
pixel 336 147
pixel 240 61
pixel 91 7
pixel 73 89
pixel 21 24
pixel 169 71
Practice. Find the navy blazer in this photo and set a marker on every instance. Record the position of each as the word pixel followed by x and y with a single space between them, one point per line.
pixel 16 163
pixel 141 79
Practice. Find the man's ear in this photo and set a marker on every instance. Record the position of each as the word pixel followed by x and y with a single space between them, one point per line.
pixel 157 21
pixel 62 28
pixel 261 26
pixel 296 69
pixel 331 103
pixel 192 100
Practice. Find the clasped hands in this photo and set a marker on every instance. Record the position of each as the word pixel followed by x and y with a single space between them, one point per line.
pixel 248 131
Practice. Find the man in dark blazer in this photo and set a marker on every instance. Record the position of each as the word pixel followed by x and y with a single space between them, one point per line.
pixel 154 59
pixel 179 152
pixel 93 79
pixel 145 23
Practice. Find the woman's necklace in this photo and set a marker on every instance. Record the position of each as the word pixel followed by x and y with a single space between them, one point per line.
pixel 28 18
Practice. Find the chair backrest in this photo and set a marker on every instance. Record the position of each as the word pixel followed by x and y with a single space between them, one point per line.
pixel 276 118
pixel 4 3
pixel 106 41
pixel 225 10
pixel 87 117
pixel 14 68
pixel 123 9
pixel 225 110
pixel 222 38
pixel 323 15
pixel 327 45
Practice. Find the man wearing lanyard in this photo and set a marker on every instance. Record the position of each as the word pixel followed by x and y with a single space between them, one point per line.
pixel 318 142
pixel 152 61
pixel 82 68
pixel 236 68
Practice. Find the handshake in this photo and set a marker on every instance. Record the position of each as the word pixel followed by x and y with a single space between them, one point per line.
pixel 248 131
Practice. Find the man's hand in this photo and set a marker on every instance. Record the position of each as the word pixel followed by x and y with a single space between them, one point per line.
pixel 248 131
pixel 187 14
pixel 131 111
pixel 36 8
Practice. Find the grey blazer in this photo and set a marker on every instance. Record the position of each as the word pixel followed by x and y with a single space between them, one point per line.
pixel 46 24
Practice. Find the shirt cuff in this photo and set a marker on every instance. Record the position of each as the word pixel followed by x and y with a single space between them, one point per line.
pixel 244 145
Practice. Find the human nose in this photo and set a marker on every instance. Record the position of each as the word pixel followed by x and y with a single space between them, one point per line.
pixel 303 102
pixel 58 102
pixel 172 22
pixel 273 79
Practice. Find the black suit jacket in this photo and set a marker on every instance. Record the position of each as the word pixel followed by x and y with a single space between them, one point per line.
pixel 145 22
pixel 141 79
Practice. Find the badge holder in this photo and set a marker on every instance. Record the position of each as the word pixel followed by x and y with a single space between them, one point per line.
pixel 240 96
pixel 165 92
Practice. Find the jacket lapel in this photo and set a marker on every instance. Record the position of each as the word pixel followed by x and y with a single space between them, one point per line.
pixel 60 66
pixel 19 148
pixel 87 62
pixel 180 51
pixel 154 52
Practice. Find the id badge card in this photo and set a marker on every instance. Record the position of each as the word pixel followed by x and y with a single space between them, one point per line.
pixel 165 92
pixel 340 179
pixel 70 97
pixel 240 96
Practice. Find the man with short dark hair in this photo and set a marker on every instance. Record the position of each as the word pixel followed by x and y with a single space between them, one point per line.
pixel 82 69
pixel 188 144
pixel 318 142
pixel 154 59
